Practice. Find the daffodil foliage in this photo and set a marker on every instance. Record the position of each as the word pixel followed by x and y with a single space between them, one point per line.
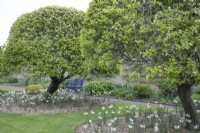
pixel 46 41
pixel 161 36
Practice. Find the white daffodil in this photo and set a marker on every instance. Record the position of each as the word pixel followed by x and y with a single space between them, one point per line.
pixel 86 113
pixel 142 126
pixel 176 127
pixel 196 127
pixel 130 126
pixel 111 106
pixel 100 118
pixel 113 129
pixel 92 112
pixel 148 105
pixel 156 127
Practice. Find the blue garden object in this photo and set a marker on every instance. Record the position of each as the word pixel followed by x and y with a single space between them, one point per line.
pixel 75 84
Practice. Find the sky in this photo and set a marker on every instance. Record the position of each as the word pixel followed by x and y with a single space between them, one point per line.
pixel 11 9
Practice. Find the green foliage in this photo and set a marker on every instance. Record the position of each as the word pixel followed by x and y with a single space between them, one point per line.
pixel 98 87
pixel 8 79
pixel 194 97
pixel 161 36
pixel 129 96
pixel 197 91
pixel 46 41
pixel 34 89
pixel 175 48
pixel 3 91
pixel 167 89
pixel 34 79
pixel 142 91
pixel 121 93
pixel 23 81
pixel 127 91
pixel 96 39
pixel 1 58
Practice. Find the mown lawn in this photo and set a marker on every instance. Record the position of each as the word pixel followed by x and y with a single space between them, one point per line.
pixel 43 123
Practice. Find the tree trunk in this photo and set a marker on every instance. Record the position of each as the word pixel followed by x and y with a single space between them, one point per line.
pixel 53 86
pixel 184 91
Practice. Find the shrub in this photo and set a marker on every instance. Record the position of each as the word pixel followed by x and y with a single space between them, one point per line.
pixel 129 96
pixel 115 92
pixel 8 79
pixel 24 81
pixel 142 91
pixel 121 93
pixel 98 87
pixel 34 89
pixel 167 89
pixel 196 97
pixel 34 79
pixel 197 91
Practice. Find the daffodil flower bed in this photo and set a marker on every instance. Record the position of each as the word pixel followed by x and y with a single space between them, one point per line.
pixel 134 119
pixel 63 101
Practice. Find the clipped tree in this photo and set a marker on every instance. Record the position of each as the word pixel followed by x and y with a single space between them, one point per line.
pixel 160 36
pixel 46 41
pixel 173 50
pixel 96 39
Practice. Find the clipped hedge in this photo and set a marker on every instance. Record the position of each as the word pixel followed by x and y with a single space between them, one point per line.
pixel 34 89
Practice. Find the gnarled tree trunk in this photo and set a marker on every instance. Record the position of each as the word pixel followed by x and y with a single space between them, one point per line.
pixel 184 91
pixel 54 85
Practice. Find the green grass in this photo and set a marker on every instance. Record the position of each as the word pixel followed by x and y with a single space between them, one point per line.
pixel 49 123
pixel 44 123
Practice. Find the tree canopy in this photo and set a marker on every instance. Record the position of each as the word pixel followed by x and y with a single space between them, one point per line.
pixel 161 36
pixel 1 58
pixel 110 33
pixel 46 41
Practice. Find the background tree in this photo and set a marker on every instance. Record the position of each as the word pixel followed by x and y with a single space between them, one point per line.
pixel 46 41
pixel 1 59
pixel 160 36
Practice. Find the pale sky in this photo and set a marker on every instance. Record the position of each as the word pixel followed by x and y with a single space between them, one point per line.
pixel 11 9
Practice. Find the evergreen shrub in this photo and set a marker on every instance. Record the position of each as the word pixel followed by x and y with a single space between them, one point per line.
pixel 34 89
